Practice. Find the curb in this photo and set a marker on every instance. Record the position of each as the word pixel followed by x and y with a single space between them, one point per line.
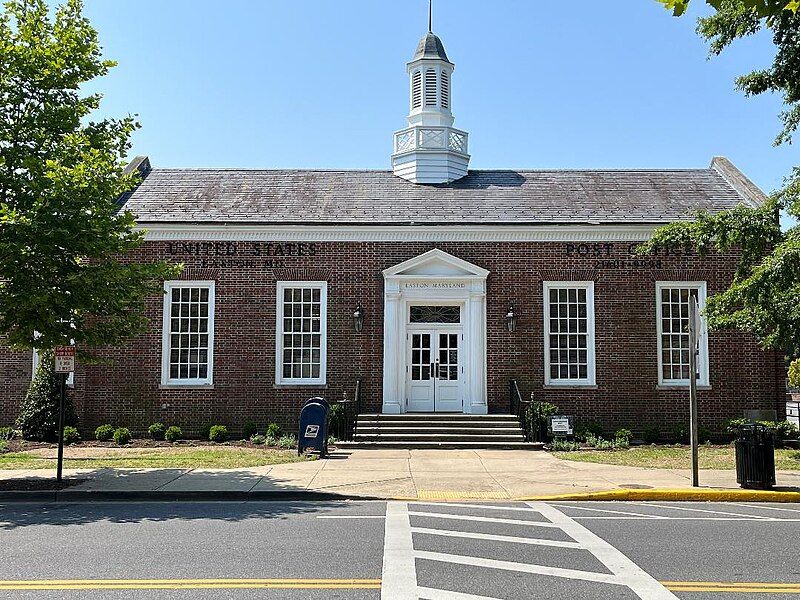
pixel 194 496
pixel 676 495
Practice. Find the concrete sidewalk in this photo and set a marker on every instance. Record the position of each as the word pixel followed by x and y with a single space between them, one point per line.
pixel 424 474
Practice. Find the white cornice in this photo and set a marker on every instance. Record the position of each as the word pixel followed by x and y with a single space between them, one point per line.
pixel 398 233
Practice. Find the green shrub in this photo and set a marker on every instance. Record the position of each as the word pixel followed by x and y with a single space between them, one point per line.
pixel 274 431
pixel 703 435
pixel 3 446
pixel 622 438
pixel 122 436
pixel 537 415
pixel 249 429
pixel 258 440
pixel 157 431
pixel 562 445
pixel 6 433
pixel 651 435
pixel 287 441
pixel 270 441
pixel 587 429
pixel 173 433
pixel 71 436
pixel 783 431
pixel 794 374
pixel 205 431
pixel 38 413
pixel 681 434
pixel 733 425
pixel 104 433
pixel 218 433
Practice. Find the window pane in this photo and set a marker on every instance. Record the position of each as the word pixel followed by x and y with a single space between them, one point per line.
pixel 674 332
pixel 568 333
pixel 189 351
pixel 302 309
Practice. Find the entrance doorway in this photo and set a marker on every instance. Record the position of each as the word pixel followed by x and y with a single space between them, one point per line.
pixel 433 359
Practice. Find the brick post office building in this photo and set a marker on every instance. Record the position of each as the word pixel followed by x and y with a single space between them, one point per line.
pixel 433 284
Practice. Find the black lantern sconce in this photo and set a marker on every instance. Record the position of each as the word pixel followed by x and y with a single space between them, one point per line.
pixel 358 319
pixel 511 319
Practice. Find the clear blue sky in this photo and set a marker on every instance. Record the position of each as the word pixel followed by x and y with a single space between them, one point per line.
pixel 319 83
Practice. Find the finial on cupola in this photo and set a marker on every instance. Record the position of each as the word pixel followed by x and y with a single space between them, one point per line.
pixel 430 150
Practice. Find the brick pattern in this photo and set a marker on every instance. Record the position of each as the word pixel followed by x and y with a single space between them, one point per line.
pixel 127 391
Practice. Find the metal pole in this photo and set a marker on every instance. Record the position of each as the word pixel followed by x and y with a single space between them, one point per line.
pixel 693 336
pixel 60 465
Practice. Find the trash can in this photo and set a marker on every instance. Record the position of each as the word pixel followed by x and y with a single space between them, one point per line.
pixel 755 457
pixel 313 430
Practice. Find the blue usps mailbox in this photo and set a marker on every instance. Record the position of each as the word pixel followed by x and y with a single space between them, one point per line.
pixel 313 432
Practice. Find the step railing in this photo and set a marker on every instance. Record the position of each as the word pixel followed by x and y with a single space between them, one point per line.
pixel 519 408
pixel 343 422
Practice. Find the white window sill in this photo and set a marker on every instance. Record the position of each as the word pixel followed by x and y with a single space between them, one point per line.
pixel 682 386
pixel 301 385
pixel 570 386
pixel 186 386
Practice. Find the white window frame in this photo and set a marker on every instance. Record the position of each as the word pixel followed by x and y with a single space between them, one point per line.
pixel 702 357
pixel 323 329
pixel 590 342
pixel 166 380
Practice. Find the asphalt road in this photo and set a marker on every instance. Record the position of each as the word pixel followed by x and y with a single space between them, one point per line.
pixel 400 551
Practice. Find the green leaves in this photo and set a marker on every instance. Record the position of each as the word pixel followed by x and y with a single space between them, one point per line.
pixel 63 275
pixel 763 8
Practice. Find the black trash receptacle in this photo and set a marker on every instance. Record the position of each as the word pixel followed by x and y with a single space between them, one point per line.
pixel 755 457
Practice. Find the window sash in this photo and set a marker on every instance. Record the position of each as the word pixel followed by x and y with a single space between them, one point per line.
pixel 569 353
pixel 188 333
pixel 301 333
pixel 672 317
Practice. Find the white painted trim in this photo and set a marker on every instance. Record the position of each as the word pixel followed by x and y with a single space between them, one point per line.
pixel 396 233
pixel 166 344
pixel 323 329
pixel 702 358
pixel 460 282
pixel 590 343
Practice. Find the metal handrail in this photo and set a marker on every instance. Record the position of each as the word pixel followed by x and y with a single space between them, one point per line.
pixel 354 418
pixel 519 408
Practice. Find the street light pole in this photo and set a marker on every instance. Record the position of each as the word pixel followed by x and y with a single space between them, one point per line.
pixel 694 323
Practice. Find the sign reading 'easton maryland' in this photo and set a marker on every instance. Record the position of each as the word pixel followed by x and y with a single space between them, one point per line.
pixel 65 359
pixel 242 255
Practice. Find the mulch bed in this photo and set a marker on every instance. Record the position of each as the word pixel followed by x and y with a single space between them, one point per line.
pixel 36 485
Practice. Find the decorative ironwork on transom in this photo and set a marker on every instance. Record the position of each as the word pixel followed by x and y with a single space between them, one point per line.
pixel 435 314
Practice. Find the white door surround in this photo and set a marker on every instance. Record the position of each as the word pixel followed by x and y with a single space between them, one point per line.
pixel 434 277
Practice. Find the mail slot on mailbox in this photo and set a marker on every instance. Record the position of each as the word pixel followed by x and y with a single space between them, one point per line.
pixel 313 432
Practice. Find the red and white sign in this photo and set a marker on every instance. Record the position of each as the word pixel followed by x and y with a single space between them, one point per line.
pixel 65 359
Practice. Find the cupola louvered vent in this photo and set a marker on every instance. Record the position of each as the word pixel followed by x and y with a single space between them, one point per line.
pixel 445 90
pixel 430 87
pixel 416 90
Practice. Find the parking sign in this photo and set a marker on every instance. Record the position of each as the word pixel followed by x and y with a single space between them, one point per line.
pixel 65 359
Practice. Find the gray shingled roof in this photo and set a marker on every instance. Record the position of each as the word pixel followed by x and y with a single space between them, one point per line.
pixel 430 46
pixel 482 197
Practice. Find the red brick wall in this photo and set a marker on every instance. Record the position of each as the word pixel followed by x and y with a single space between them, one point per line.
pixel 126 391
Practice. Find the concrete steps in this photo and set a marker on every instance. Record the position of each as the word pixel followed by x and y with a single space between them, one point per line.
pixel 438 430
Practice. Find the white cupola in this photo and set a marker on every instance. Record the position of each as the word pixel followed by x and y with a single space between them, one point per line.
pixel 430 150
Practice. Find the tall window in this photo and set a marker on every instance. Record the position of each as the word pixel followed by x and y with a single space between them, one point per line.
pixel 569 332
pixel 188 343
pixel 301 332
pixel 416 89
pixel 672 304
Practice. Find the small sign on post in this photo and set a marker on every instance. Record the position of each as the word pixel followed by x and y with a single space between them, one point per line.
pixel 65 359
pixel 561 425
pixel 64 365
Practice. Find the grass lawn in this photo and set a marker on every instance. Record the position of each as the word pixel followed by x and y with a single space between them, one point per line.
pixel 670 457
pixel 165 458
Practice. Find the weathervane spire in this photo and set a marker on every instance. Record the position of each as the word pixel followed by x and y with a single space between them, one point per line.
pixel 430 16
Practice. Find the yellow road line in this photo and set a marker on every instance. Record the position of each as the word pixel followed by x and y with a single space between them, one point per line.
pixel 760 587
pixel 179 584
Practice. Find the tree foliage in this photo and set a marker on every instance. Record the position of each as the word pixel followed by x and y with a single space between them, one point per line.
pixel 764 297
pixel 63 277
pixel 762 8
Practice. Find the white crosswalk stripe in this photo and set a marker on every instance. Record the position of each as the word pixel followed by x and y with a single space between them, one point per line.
pixel 400 556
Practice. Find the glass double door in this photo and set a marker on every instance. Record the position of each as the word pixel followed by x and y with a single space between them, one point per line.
pixel 434 370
